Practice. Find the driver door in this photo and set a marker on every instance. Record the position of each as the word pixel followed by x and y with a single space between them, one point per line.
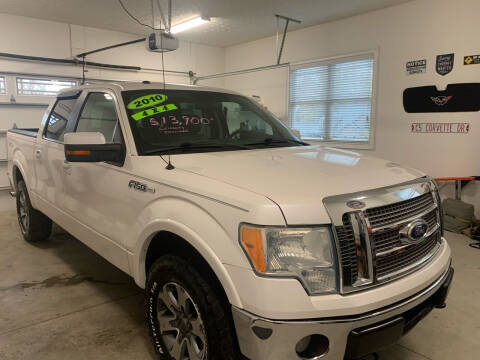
pixel 93 191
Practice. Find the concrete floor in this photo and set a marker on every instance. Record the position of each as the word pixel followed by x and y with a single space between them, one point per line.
pixel 60 300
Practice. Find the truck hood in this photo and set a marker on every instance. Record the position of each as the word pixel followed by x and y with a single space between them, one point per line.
pixel 298 178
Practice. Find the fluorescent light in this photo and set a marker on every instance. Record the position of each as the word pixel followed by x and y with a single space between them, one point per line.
pixel 188 24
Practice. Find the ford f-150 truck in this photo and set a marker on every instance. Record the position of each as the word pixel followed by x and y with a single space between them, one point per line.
pixel 249 242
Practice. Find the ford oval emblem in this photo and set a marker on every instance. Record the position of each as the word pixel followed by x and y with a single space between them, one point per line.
pixel 414 232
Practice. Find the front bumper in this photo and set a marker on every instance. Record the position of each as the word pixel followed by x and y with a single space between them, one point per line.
pixel 349 337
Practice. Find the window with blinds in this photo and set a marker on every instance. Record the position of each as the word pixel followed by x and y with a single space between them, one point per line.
pixel 332 100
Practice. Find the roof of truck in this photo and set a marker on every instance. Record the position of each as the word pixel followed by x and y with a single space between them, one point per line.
pixel 128 85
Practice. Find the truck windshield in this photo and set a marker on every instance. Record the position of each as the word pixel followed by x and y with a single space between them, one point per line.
pixel 182 121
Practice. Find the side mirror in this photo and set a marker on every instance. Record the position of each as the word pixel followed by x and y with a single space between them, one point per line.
pixel 91 147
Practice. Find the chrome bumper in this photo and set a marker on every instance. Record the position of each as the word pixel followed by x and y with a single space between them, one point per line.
pixel 263 339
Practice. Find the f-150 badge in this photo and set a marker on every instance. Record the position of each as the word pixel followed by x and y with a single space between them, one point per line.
pixel 140 186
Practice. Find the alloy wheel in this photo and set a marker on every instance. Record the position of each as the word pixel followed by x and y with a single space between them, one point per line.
pixel 181 325
pixel 23 217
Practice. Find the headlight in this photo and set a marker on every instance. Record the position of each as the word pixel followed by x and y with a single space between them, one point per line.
pixel 304 253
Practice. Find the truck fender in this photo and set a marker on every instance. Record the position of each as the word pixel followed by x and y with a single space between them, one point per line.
pixel 166 223
pixel 18 159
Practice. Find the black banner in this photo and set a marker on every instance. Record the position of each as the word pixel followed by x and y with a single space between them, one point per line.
pixel 456 98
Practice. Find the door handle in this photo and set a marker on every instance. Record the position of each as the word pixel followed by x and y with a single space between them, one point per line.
pixel 38 153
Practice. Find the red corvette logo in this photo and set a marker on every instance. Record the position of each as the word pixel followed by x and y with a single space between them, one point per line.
pixel 441 100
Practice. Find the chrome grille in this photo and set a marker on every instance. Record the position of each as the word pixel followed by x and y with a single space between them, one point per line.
pixel 387 255
pixel 388 239
pixel 390 264
pixel 348 251
pixel 393 213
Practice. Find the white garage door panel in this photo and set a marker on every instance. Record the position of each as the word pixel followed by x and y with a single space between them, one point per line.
pixel 3 145
pixel 3 160
pixel 3 176
pixel 23 116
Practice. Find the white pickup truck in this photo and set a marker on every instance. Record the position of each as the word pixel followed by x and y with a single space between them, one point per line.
pixel 249 242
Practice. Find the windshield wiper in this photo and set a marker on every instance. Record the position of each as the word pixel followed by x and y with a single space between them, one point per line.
pixel 192 146
pixel 270 141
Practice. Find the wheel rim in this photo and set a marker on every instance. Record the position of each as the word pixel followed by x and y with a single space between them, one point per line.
pixel 23 217
pixel 181 326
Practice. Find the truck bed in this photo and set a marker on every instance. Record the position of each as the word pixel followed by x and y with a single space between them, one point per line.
pixel 32 132
pixel 22 141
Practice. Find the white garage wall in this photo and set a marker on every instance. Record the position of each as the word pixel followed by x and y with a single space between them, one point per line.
pixel 28 36
pixel 420 29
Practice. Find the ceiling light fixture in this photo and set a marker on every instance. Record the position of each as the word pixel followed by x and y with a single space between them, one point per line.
pixel 189 24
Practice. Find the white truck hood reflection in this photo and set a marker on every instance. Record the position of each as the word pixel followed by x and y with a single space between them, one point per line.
pixel 297 178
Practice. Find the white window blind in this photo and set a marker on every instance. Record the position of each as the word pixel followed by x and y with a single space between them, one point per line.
pixel 332 100
pixel 45 87
pixel 3 89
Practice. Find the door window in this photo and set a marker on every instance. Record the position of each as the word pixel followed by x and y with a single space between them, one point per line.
pixel 58 120
pixel 99 115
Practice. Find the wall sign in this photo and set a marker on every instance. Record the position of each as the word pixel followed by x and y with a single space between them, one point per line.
pixel 440 128
pixel 471 60
pixel 445 63
pixel 455 98
pixel 417 67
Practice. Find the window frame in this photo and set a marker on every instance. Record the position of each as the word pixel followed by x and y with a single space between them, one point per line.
pixel 82 101
pixel 5 84
pixel 46 78
pixel 77 95
pixel 11 97
pixel 5 98
pixel 370 145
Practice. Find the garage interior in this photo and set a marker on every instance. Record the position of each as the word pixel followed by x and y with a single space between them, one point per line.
pixel 60 300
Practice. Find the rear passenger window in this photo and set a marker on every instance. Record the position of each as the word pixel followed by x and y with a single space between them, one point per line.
pixel 58 120
pixel 99 115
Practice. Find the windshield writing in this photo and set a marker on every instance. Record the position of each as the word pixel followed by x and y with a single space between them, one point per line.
pixel 164 121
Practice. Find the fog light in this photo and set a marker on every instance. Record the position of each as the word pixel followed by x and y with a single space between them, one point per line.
pixel 312 347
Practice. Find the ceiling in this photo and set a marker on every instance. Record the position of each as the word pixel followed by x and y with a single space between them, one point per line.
pixel 232 21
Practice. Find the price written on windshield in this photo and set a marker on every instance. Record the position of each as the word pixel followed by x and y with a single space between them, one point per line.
pixel 183 121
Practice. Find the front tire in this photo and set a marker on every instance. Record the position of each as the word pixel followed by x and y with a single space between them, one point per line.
pixel 187 319
pixel 34 225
